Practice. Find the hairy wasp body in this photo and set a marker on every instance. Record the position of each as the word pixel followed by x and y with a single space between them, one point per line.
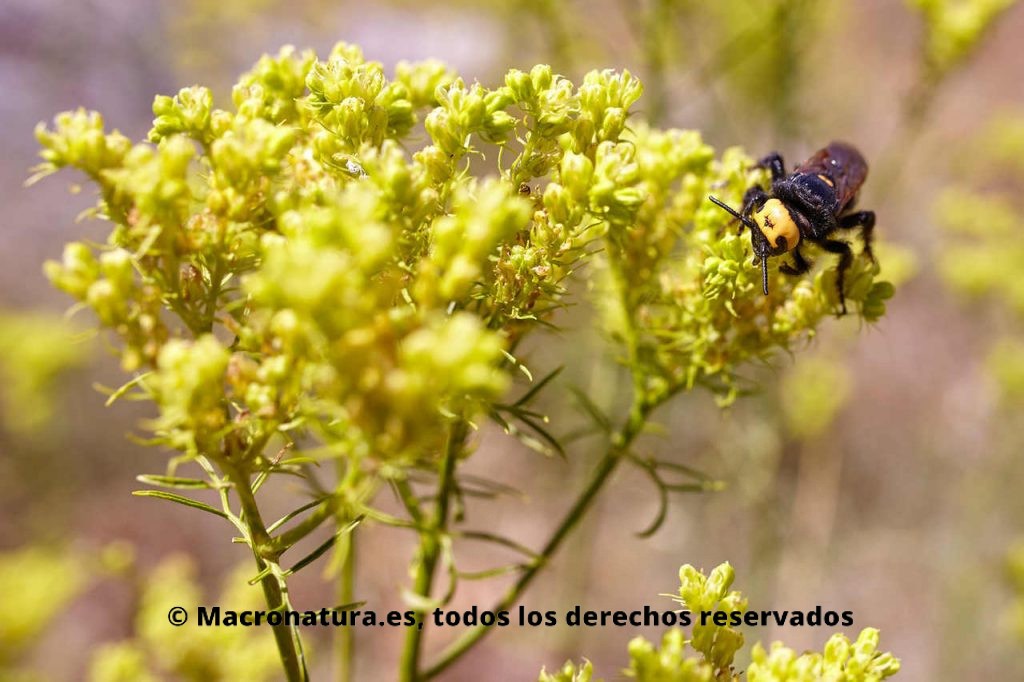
pixel 809 204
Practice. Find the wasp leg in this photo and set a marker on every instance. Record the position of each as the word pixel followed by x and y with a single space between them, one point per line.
pixel 751 198
pixel 866 221
pixel 773 162
pixel 845 260
pixel 800 264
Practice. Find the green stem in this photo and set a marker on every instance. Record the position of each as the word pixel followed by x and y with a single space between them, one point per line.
pixel 293 535
pixel 618 445
pixel 344 638
pixel 274 590
pixel 605 467
pixel 210 312
pixel 430 547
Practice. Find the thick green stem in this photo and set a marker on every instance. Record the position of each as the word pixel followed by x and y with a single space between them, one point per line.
pixel 605 467
pixel 430 548
pixel 288 645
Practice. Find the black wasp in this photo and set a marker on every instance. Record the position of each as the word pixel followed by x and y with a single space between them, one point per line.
pixel 808 205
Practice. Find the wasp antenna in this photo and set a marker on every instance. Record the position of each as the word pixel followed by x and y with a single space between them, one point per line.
pixel 764 275
pixel 733 212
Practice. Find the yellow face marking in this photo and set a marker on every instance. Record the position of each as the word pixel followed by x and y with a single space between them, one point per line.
pixel 824 178
pixel 774 221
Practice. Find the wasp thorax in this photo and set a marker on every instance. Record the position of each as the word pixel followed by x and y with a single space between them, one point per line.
pixel 774 221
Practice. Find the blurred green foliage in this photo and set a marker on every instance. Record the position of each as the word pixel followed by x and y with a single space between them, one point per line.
pixel 1015 576
pixel 43 584
pixel 39 584
pixel 979 258
pixel 954 28
pixel 811 394
pixel 1005 362
pixel 981 255
pixel 189 652
pixel 36 349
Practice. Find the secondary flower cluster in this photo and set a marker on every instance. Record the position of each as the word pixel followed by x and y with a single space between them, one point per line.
pixel 716 646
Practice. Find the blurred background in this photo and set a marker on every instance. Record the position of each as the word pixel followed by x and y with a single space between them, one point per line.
pixel 878 471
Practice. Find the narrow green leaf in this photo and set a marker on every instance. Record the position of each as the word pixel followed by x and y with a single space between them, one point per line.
pixel 326 545
pixel 260 576
pixel 522 368
pixel 171 497
pixel 500 421
pixel 543 433
pixel 418 602
pixel 681 468
pixel 448 564
pixel 258 482
pixel 538 387
pixel 529 441
pixel 352 525
pixel 519 411
pixel 295 461
pixel 495 486
pixel 295 512
pixel 125 388
pixel 491 572
pixel 482 493
pixel 292 425
pixel 600 419
pixel 390 520
pixel 498 540
pixel 312 556
pixel 659 518
pixel 173 481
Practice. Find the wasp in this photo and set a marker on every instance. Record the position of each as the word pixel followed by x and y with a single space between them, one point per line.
pixel 809 205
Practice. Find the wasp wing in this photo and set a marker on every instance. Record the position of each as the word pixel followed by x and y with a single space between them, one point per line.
pixel 844 166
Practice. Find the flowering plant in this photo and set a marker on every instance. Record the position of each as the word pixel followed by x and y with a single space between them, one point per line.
pixel 289 283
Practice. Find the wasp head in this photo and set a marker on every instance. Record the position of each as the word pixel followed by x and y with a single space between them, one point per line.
pixel 773 232
pixel 777 226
